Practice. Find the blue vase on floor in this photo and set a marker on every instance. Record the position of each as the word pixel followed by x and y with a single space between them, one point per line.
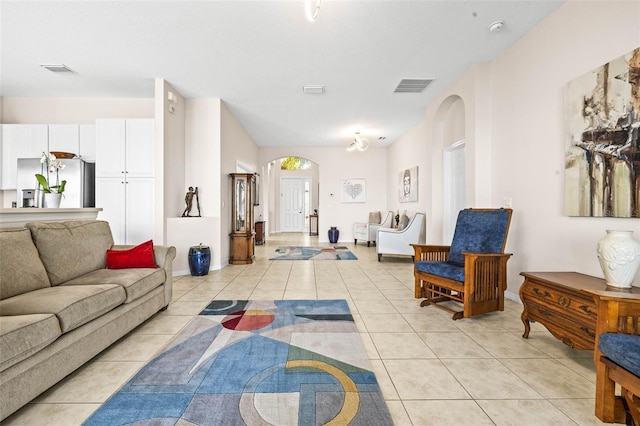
pixel 334 234
pixel 199 260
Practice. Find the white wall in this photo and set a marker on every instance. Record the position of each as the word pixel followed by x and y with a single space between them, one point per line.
pixel 514 133
pixel 527 95
pixel 335 164
pixel 202 170
pixel 73 110
pixel 236 146
pixel 170 157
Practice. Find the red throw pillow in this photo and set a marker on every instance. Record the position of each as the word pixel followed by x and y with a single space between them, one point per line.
pixel 140 256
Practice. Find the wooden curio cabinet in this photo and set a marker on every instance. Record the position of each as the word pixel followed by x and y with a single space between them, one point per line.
pixel 241 218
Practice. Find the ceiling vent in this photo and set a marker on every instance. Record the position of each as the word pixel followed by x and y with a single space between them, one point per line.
pixel 413 85
pixel 57 68
pixel 313 90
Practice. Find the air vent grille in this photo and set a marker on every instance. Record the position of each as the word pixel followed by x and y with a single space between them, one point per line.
pixel 313 90
pixel 57 68
pixel 412 85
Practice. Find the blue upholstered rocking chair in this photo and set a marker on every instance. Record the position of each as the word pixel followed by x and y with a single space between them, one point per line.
pixel 472 271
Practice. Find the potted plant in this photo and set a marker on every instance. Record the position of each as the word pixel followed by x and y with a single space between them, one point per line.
pixel 52 193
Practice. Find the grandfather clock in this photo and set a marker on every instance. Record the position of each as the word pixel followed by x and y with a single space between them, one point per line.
pixel 241 218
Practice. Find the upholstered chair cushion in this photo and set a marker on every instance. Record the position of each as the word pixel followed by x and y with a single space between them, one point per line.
pixel 375 217
pixel 441 269
pixel 478 231
pixel 22 269
pixel 623 349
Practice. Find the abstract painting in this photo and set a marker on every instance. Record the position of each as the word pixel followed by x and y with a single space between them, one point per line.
pixel 408 185
pixel 602 157
pixel 352 190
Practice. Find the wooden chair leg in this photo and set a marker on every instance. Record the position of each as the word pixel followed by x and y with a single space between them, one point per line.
pixel 633 405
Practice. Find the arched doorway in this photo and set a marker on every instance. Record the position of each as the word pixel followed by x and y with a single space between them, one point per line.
pixel 291 195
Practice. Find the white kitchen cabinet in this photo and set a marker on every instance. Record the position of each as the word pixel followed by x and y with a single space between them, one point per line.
pixel 87 148
pixel 128 206
pixel 64 138
pixel 20 141
pixel 125 147
pixel 125 182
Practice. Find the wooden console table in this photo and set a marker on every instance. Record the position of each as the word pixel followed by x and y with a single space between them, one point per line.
pixel 313 224
pixel 565 303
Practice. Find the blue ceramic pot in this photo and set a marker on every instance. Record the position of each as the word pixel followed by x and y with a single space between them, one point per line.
pixel 334 234
pixel 199 260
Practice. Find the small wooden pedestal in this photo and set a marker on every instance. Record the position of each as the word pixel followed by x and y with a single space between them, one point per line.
pixel 260 227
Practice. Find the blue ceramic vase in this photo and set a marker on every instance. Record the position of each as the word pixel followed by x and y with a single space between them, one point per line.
pixel 199 260
pixel 334 234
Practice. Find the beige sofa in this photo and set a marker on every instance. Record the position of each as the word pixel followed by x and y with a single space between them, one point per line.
pixel 60 306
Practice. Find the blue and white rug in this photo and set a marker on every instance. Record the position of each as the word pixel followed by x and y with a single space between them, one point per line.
pixel 313 253
pixel 240 362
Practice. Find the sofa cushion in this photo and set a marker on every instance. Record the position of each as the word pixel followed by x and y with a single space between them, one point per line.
pixel 62 245
pixel 623 349
pixel 441 269
pixel 136 281
pixel 22 269
pixel 375 217
pixel 23 335
pixel 73 305
pixel 140 256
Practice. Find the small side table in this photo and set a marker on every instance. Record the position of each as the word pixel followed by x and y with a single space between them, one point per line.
pixel 313 224
pixel 260 228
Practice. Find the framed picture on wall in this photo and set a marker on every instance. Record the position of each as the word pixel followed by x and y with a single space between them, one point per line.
pixel 408 185
pixel 352 190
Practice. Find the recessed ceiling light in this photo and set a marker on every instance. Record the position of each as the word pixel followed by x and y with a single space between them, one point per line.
pixel 313 90
pixel 57 68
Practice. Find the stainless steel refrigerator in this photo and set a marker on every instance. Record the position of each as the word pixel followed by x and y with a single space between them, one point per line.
pixel 79 174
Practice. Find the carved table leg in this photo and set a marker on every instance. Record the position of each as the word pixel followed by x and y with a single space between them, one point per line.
pixel 525 321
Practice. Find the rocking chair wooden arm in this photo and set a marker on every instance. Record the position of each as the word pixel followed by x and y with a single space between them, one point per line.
pixel 430 252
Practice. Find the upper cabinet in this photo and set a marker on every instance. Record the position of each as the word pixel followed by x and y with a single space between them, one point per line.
pixel 125 147
pixel 87 149
pixel 31 140
pixel 64 138
pixel 20 141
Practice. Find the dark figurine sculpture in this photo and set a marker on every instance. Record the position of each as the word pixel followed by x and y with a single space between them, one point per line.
pixel 189 200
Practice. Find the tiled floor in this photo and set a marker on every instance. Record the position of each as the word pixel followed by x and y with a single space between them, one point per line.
pixel 432 370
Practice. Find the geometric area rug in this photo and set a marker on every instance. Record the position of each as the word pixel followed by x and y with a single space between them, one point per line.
pixel 313 253
pixel 250 362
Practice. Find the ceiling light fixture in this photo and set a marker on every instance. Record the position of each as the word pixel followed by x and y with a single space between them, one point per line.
pixel 496 26
pixel 311 9
pixel 358 142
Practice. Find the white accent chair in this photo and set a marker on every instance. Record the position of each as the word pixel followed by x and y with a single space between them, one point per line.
pixel 398 242
pixel 369 231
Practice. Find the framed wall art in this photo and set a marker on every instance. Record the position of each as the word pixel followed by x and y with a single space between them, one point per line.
pixel 408 185
pixel 352 190
pixel 602 154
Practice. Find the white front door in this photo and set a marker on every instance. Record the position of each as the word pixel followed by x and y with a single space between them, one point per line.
pixel 292 209
pixel 454 188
